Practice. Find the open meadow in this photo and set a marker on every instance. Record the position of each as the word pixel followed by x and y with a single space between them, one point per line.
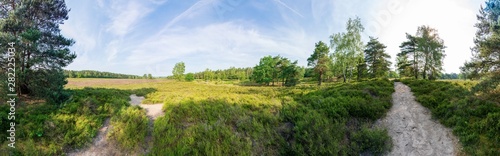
pixel 215 119
pixel 229 77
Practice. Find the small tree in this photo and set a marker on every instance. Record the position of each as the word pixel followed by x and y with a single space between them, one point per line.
pixel 179 70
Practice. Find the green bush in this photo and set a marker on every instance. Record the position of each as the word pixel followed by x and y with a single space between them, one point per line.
pixel 129 128
pixel 473 117
pixel 374 141
pixel 189 77
pixel 215 127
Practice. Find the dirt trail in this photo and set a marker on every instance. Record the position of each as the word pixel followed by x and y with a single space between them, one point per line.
pixel 153 111
pixel 101 147
pixel 412 130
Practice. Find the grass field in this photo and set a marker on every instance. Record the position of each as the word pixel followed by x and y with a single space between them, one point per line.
pixel 213 118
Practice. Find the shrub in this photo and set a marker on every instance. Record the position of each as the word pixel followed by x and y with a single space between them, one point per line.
pixel 375 141
pixel 129 128
pixel 189 77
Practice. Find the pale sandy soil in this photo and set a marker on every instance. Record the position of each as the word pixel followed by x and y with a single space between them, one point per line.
pixel 413 131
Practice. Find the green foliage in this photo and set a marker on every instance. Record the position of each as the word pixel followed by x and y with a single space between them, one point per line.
pixel 486 50
pixel 348 50
pixel 129 128
pixel 40 50
pixel 425 51
pixel 223 119
pixel 377 59
pixel 189 77
pixel 322 119
pixel 403 66
pixel 473 117
pixel 178 71
pixel 375 141
pixel 319 60
pixel 47 129
pixel 232 73
pixel 48 84
pixel 216 119
pixel 97 74
pixel 215 127
pixel 275 69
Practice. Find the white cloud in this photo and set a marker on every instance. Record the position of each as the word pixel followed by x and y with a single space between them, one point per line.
pixel 197 35
pixel 125 17
pixel 112 50
pixel 228 41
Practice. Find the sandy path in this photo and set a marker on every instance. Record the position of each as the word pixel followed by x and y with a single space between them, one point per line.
pixel 412 130
pixel 100 145
pixel 153 111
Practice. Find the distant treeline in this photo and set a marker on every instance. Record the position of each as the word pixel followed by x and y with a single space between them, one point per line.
pixel 452 76
pixel 99 74
pixel 232 73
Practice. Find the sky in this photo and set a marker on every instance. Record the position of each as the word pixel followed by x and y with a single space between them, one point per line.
pixel 149 36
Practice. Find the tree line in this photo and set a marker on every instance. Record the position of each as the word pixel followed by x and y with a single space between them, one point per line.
pixel 232 73
pixel 345 58
pixel 99 74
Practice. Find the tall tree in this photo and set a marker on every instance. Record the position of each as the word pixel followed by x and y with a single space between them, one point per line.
pixel 426 50
pixel 432 48
pixel 348 49
pixel 486 51
pixel 409 50
pixel 319 60
pixel 41 50
pixel 377 59
pixel 179 70
pixel 485 60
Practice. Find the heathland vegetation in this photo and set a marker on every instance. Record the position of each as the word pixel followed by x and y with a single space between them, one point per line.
pixel 273 108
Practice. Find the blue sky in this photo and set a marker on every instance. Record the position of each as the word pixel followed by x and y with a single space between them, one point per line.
pixel 150 36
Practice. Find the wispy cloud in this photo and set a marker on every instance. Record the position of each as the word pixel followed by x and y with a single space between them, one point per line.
pixel 289 8
pixel 191 11
pixel 137 36
pixel 125 17
pixel 240 44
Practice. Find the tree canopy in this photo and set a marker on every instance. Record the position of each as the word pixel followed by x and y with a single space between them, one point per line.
pixel 424 51
pixel 348 50
pixel 377 59
pixel 41 51
pixel 179 70
pixel 319 60
pixel 271 70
